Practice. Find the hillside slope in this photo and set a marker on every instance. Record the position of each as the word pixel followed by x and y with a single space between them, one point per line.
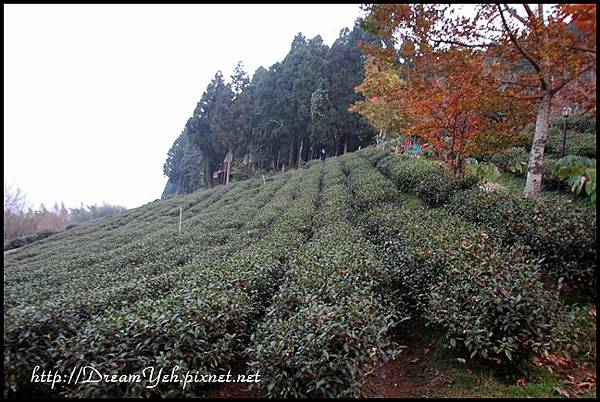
pixel 300 278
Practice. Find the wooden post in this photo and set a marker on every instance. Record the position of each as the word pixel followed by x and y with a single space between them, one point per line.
pixel 180 216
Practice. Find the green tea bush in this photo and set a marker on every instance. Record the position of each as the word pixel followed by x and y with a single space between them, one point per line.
pixel 576 122
pixel 489 299
pixel 581 136
pixel 369 187
pixel 514 160
pixel 578 143
pixel 313 162
pixel 564 236
pixel 374 155
pixel 24 240
pixel 431 180
pixel 550 176
pixel 128 312
pixel 327 324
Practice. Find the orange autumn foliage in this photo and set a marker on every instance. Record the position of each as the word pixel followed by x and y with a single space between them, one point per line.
pixel 450 97
pixel 472 82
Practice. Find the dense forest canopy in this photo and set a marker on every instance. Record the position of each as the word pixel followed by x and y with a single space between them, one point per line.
pixel 281 117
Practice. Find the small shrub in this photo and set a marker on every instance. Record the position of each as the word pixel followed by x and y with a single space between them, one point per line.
pixel 563 235
pixel 488 298
pixel 581 136
pixel 430 180
pixel 580 175
pixel 550 176
pixel 514 160
pixel 486 172
pixel 577 122
pixel 24 240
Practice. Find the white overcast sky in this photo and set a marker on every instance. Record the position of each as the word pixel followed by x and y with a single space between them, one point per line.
pixel 95 95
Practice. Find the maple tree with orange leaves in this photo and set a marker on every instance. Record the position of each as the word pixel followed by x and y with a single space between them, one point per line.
pixel 471 79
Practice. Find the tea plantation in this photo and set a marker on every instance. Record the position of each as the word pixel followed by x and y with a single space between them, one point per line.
pixel 303 277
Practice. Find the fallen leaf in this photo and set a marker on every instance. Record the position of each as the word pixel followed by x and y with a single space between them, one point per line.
pixel 552 362
pixel 496 360
pixel 562 392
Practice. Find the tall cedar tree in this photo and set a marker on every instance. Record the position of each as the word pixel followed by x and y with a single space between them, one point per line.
pixel 282 116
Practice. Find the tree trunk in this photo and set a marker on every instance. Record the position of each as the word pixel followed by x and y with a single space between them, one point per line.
pixel 291 153
pixel 346 145
pixel 300 153
pixel 534 173
pixel 208 173
pixel 307 150
pixel 278 152
pixel 461 156
pixel 251 155
pixel 229 152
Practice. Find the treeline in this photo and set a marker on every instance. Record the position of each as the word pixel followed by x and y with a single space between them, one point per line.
pixel 21 220
pixel 282 117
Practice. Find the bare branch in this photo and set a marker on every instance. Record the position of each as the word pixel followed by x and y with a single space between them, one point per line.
pixel 514 13
pixel 582 49
pixel 534 97
pixel 571 79
pixel 529 12
pixel 513 39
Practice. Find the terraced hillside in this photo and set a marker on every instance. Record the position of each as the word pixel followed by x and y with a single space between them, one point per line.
pixel 303 277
